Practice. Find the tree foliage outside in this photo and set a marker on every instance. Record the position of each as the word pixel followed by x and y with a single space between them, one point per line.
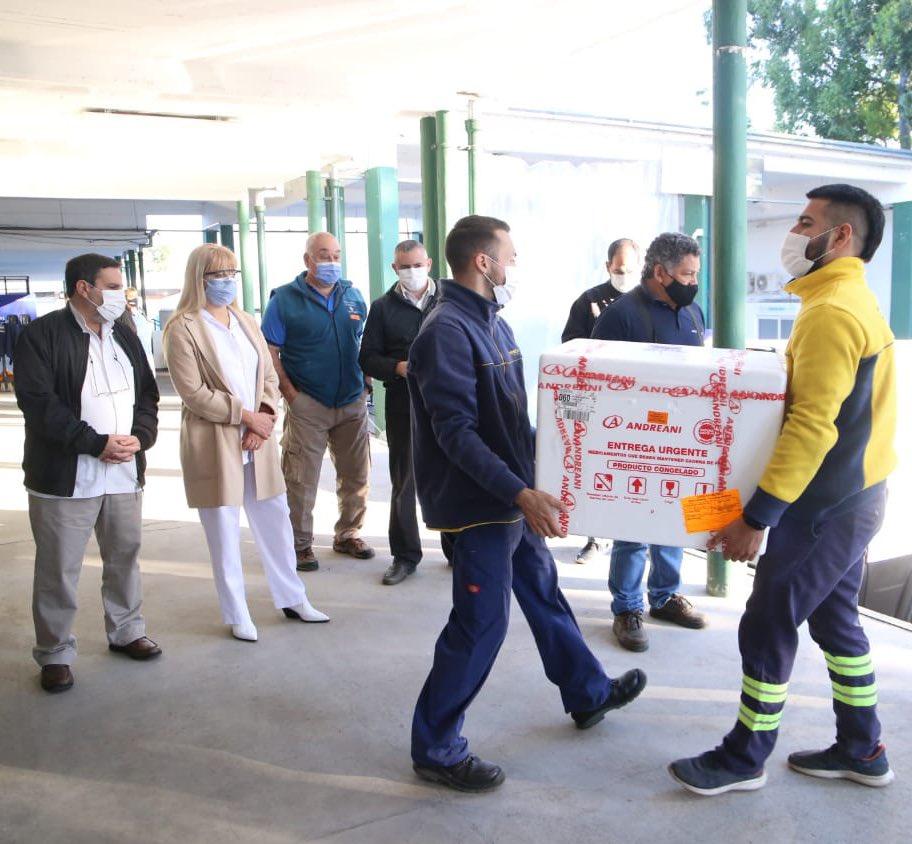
pixel 841 68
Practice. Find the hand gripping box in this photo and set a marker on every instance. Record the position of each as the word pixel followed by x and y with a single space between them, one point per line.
pixel 652 443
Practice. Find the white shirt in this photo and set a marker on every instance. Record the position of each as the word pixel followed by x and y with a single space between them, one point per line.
pixel 107 401
pixel 422 300
pixel 238 361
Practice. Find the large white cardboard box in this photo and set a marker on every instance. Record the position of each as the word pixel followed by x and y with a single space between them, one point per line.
pixel 633 435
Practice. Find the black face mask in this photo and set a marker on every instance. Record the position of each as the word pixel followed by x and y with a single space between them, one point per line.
pixel 681 294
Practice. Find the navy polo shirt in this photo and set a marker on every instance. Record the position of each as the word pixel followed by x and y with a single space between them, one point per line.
pixel 639 318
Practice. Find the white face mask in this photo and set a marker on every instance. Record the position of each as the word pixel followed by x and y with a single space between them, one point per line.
pixel 503 293
pixel 794 253
pixel 113 303
pixel 413 279
pixel 624 281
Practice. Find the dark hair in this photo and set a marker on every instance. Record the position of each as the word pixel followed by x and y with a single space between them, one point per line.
pixel 623 241
pixel 470 236
pixel 408 246
pixel 86 267
pixel 668 249
pixel 848 204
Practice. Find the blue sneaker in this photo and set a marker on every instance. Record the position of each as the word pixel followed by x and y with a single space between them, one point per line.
pixel 833 764
pixel 706 775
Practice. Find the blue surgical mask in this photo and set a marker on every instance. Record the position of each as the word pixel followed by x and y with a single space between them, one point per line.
pixel 328 272
pixel 221 291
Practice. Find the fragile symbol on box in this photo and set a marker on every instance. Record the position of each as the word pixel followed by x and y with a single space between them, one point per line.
pixel 704 489
pixel 671 489
pixel 636 485
pixel 603 482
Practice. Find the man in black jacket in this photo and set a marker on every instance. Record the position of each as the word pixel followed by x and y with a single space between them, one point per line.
pixel 90 404
pixel 623 267
pixel 391 326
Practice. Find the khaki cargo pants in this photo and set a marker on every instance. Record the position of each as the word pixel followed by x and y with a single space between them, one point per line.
pixel 309 428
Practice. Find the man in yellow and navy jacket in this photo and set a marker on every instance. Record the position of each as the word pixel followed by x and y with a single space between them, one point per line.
pixel 822 496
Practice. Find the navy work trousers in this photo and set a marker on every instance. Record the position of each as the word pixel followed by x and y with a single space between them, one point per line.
pixel 489 561
pixel 811 571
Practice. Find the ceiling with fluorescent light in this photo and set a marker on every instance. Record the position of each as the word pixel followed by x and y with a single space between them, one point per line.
pixel 300 84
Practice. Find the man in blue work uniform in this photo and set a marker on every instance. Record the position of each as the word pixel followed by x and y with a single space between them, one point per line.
pixel 313 327
pixel 822 496
pixel 660 309
pixel 473 453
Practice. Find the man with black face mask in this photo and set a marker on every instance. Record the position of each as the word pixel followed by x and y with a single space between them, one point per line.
pixel 659 310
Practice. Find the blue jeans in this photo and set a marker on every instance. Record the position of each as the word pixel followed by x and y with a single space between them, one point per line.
pixel 625 578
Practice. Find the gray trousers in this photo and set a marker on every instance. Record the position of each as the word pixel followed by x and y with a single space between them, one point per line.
pixel 61 528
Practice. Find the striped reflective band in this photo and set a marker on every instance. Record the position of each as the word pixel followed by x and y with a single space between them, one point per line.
pixel 856 695
pixel 758 721
pixel 764 692
pixel 849 666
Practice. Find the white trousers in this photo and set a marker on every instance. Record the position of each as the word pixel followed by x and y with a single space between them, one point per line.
pixel 274 540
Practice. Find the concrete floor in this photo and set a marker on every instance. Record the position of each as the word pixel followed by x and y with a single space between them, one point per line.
pixel 304 735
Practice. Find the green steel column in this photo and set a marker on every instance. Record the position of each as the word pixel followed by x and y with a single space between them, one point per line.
pixel 696 219
pixel 130 257
pixel 471 127
pixel 729 217
pixel 335 215
pixel 226 235
pixel 142 279
pixel 429 192
pixel 210 235
pixel 382 196
pixel 316 204
pixel 340 236
pixel 442 221
pixel 243 216
pixel 901 285
pixel 260 213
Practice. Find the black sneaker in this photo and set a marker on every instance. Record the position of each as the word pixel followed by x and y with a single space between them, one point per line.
pixel 589 552
pixel 628 628
pixel 306 560
pixel 471 774
pixel 624 689
pixel 678 610
pixel 706 775
pixel 833 764
pixel 397 572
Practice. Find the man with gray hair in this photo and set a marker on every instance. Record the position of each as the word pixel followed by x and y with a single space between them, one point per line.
pixel 392 325
pixel 660 309
pixel 313 327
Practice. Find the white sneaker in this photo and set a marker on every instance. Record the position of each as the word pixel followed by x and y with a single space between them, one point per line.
pixel 305 612
pixel 247 632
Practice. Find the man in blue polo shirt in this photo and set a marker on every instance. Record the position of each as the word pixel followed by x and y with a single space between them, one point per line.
pixel 659 310
pixel 313 327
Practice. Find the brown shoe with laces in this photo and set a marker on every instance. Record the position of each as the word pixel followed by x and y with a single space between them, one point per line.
pixel 353 547
pixel 678 610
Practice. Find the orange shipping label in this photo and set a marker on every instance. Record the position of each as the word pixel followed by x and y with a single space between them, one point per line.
pixel 711 512
pixel 657 417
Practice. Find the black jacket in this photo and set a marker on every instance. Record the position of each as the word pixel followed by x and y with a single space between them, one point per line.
pixel 391 327
pixel 51 359
pixel 582 316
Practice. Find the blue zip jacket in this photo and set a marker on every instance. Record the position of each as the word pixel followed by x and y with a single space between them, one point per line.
pixel 639 318
pixel 472 441
pixel 319 340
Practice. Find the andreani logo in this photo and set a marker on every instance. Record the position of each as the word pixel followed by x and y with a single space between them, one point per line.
pixel 651 426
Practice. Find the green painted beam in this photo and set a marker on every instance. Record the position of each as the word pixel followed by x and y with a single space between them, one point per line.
pixel 335 216
pixel 226 236
pixel 130 261
pixel 697 225
pixel 382 197
pixel 729 217
pixel 442 162
pixel 140 263
pixel 429 192
pixel 243 216
pixel 471 127
pixel 316 203
pixel 210 235
pixel 260 213
pixel 901 284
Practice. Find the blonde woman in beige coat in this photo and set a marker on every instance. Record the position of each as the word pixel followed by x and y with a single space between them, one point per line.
pixel 222 370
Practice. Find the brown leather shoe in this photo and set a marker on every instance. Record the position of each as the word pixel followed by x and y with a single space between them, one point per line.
pixel 354 547
pixel 142 648
pixel 56 678
pixel 306 560
pixel 678 610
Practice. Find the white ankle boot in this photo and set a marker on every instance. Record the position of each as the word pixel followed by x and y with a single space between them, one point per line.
pixel 305 612
pixel 247 631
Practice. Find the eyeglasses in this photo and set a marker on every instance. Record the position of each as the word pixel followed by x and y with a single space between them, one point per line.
pixel 121 385
pixel 222 274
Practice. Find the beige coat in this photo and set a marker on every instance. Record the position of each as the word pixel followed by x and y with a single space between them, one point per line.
pixel 210 442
